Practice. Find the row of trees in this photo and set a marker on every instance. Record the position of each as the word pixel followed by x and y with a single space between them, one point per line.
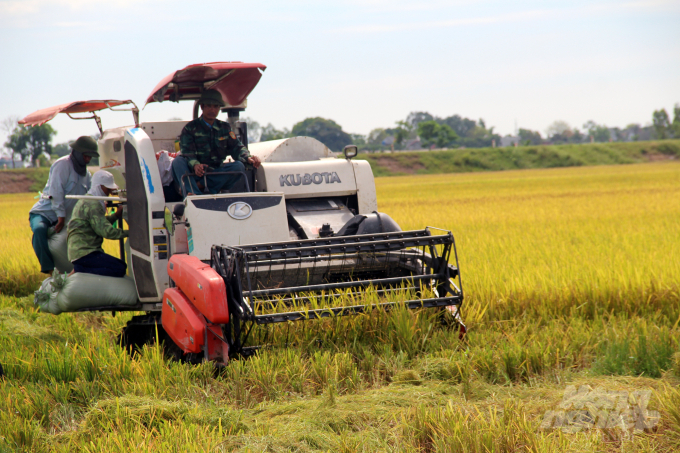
pixel 32 144
pixel 28 143
pixel 663 127
pixel 326 131
pixel 418 130
pixel 560 132
pixel 423 130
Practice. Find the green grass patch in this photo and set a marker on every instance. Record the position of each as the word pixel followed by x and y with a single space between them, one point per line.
pixel 522 157
pixel 70 387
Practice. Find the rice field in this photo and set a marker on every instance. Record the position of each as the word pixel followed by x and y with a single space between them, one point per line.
pixel 19 268
pixel 571 280
pixel 598 238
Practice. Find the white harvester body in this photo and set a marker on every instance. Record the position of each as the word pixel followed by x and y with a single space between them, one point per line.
pixel 301 230
pixel 299 177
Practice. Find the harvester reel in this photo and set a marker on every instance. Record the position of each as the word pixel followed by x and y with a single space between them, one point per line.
pixel 265 276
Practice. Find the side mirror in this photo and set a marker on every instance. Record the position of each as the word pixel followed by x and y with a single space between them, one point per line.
pixel 169 225
pixel 350 151
pixel 178 210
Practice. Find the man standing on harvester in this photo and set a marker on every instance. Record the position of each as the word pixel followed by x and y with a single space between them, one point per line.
pixel 89 226
pixel 68 176
pixel 204 144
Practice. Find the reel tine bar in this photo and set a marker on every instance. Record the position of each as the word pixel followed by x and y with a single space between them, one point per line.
pixel 262 277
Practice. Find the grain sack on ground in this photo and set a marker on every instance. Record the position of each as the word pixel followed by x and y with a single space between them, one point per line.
pixel 59 293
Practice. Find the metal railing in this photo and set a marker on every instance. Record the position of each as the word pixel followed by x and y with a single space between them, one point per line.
pixel 205 179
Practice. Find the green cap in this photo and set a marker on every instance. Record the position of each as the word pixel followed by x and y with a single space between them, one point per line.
pixel 86 145
pixel 211 97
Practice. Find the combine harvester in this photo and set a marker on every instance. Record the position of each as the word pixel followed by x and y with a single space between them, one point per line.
pixel 301 232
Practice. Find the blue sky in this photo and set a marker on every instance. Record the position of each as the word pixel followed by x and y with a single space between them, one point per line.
pixel 364 64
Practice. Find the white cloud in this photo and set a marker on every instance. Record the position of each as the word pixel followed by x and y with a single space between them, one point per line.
pixel 25 7
pixel 652 5
pixel 15 8
pixel 512 17
pixel 392 83
pixel 386 6
pixel 73 24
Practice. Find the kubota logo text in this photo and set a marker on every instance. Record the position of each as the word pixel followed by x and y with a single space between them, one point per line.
pixel 307 179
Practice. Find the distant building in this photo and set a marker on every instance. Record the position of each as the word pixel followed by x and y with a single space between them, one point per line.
pixel 413 144
pixel 6 163
pixel 631 133
pixel 388 141
pixel 509 140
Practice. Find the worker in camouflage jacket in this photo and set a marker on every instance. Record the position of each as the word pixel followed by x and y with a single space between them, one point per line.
pixel 204 144
pixel 89 226
pixel 68 176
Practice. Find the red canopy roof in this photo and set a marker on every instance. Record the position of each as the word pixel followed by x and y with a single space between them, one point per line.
pixel 235 80
pixel 42 116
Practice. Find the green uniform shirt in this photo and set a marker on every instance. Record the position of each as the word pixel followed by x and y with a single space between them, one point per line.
pixel 88 227
pixel 202 144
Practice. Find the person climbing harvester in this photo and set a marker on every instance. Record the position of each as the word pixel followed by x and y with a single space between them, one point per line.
pixel 68 176
pixel 89 226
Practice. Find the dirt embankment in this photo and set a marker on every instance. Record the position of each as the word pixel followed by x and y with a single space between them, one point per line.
pixel 395 165
pixel 15 182
pixel 24 180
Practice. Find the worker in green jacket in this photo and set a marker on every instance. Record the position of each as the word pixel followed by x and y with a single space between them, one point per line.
pixel 205 143
pixel 89 226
